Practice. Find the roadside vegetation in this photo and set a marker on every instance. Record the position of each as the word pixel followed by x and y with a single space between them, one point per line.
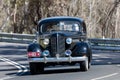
pixel 102 17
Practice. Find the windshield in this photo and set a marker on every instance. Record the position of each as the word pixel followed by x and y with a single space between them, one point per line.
pixel 60 26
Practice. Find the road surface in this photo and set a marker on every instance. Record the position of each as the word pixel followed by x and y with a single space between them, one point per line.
pixel 14 66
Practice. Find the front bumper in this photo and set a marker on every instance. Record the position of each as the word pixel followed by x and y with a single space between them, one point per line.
pixel 60 59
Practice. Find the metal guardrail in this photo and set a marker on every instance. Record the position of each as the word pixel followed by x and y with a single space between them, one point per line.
pixel 16 38
pixel 97 44
pixel 105 44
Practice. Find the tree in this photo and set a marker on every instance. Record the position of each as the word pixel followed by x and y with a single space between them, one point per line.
pixel 101 16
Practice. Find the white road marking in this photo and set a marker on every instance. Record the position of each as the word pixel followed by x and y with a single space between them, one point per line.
pixel 7 77
pixel 118 65
pixel 21 69
pixel 106 76
pixel 96 55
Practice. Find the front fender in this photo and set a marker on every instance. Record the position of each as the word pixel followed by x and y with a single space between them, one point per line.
pixel 34 47
pixel 82 48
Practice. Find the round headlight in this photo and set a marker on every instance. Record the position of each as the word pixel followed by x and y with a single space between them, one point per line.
pixel 69 40
pixel 46 53
pixel 46 41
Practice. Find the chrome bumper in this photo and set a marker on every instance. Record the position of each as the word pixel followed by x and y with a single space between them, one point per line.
pixel 60 59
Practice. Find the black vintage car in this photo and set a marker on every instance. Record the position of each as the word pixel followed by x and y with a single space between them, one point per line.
pixel 60 41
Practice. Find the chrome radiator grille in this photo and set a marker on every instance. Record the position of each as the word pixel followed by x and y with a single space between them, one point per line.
pixel 57 45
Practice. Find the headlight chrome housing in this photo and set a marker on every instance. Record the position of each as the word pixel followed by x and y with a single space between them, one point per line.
pixel 46 41
pixel 69 40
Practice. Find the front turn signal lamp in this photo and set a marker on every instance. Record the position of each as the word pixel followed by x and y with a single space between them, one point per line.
pixel 45 53
pixel 68 52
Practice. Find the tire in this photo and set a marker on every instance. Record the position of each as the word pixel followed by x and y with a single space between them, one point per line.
pixel 89 65
pixel 84 65
pixel 36 68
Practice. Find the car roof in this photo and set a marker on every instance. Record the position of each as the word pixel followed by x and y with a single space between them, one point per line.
pixel 60 18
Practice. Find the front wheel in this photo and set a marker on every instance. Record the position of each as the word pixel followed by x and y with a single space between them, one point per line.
pixel 36 68
pixel 84 65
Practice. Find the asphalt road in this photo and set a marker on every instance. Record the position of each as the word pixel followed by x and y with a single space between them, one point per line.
pixel 14 66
